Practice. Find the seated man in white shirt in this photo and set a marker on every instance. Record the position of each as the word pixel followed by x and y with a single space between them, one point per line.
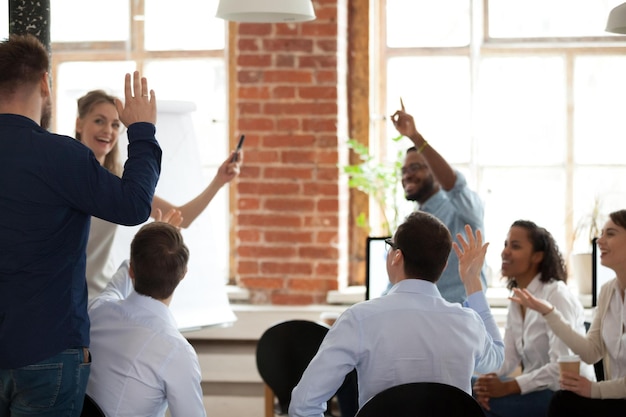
pixel 141 364
pixel 412 334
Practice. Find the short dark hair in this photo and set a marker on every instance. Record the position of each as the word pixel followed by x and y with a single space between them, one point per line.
pixel 552 266
pixel 425 243
pixel 23 60
pixel 159 259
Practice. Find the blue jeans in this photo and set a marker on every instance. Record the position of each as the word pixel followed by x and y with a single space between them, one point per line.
pixel 533 404
pixel 54 387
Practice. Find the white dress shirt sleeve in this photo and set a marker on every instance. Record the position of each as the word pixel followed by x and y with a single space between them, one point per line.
pixel 118 288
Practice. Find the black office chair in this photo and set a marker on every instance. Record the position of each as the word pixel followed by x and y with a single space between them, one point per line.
pixel 421 399
pixel 90 408
pixel 283 353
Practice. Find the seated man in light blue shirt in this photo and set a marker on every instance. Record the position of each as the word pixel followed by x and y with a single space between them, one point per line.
pixel 141 364
pixel 412 334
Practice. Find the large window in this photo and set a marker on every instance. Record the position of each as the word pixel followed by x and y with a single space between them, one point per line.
pixel 95 43
pixel 523 96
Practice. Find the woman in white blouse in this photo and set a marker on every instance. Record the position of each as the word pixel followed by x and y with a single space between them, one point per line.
pixel 605 340
pixel 530 260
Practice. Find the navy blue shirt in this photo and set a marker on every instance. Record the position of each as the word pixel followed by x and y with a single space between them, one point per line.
pixel 50 186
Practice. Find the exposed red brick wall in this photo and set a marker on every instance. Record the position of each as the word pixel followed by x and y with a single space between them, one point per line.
pixel 289 209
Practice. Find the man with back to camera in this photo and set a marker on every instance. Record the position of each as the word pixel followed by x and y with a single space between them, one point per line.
pixel 50 186
pixel 442 191
pixel 398 338
pixel 141 363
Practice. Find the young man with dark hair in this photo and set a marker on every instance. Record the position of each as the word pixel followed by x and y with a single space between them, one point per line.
pixel 50 186
pixel 141 363
pixel 411 334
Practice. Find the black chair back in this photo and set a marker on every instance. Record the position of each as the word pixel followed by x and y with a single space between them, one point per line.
pixel 284 351
pixel 421 399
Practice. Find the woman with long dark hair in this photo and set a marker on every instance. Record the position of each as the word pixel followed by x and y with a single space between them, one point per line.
pixel 530 260
pixel 605 340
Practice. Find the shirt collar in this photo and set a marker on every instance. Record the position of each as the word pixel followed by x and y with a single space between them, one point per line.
pixel 155 307
pixel 18 119
pixel 434 201
pixel 416 286
pixel 534 284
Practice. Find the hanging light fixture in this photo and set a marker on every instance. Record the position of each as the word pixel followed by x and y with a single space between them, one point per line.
pixel 266 11
pixel 617 20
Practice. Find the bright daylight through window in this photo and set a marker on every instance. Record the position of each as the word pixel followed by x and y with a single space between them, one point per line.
pixel 524 99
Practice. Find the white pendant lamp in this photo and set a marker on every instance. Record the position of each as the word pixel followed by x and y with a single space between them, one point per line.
pixel 266 11
pixel 617 20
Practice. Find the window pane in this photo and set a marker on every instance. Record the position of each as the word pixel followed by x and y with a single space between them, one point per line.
pixel 85 21
pixel 203 82
pixel 436 91
pixel 503 190
pixel 521 111
pixel 74 79
pixel 183 25
pixel 599 91
pixel 554 18
pixel 413 23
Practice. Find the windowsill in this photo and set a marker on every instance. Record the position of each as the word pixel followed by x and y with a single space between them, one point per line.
pixel 497 297
pixel 237 294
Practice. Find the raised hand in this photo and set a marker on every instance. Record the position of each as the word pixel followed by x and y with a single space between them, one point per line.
pixel 404 124
pixel 523 297
pixel 471 255
pixel 139 104
pixel 173 217
pixel 229 170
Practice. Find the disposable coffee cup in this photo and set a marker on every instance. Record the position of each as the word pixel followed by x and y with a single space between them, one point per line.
pixel 569 363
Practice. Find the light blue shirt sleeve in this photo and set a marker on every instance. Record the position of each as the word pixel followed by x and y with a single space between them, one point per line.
pixel 466 202
pixel 118 288
pixel 493 355
pixel 327 370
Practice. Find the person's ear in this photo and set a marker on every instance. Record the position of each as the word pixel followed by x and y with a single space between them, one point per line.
pixel 397 257
pixel 537 257
pixel 45 85
pixel 79 125
pixel 131 271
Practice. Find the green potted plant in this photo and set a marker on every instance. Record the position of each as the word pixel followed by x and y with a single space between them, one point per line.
pixel 380 180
